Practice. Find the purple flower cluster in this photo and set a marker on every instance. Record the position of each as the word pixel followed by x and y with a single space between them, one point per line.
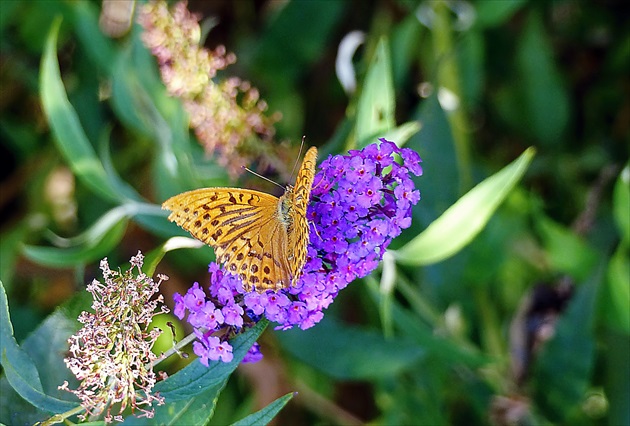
pixel 359 203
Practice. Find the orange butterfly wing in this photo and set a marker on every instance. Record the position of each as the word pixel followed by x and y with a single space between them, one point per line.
pixel 300 195
pixel 259 238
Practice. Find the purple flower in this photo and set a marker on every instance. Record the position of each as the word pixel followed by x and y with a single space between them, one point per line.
pixel 359 203
pixel 195 297
pixel 211 348
pixel 412 161
pixel 207 316
pixel 253 299
pixel 371 194
pixel 253 354
pixel 357 208
pixel 233 314
pixel 180 308
pixel 201 351
pixel 297 312
pixel 222 351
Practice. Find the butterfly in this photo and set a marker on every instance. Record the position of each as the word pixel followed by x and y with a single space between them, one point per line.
pixel 260 238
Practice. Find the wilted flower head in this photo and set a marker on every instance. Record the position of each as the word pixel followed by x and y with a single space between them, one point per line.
pixel 359 203
pixel 111 355
pixel 227 116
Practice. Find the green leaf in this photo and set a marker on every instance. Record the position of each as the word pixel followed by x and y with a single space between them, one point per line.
pixel 461 222
pixel 621 204
pixel 617 385
pixel 173 169
pixel 23 367
pixel 347 352
pixel 616 297
pixel 20 369
pixel 492 13
pixel 197 410
pixel 174 243
pixel 571 349
pixel 64 122
pixel 124 189
pixel 405 37
pixel 34 18
pixel 91 236
pixel 140 100
pixel 10 9
pixel 544 100
pixel 158 225
pixel 410 325
pixel 95 44
pixel 191 394
pixel 300 30
pixel 436 146
pixel 401 134
pixel 264 416
pixel 375 109
pixel 130 100
pixel 449 351
pixel 11 239
pixel 91 251
pixel 566 251
pixel 195 378
pixel 471 62
pixel 95 242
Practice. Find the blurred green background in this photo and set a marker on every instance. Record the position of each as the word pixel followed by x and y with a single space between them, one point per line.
pixel 469 339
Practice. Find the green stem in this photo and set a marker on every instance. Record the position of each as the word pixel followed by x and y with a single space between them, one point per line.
pixel 175 349
pixel 419 305
pixel 61 418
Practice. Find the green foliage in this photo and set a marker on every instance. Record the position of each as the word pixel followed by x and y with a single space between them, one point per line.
pixel 461 222
pixel 265 415
pixel 437 334
pixel 541 92
pixel 28 368
pixel 375 109
pixel 562 394
pixel 345 352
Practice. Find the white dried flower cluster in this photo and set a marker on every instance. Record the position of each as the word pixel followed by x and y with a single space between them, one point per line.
pixel 111 355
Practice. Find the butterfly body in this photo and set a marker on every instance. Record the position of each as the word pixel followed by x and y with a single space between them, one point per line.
pixel 260 238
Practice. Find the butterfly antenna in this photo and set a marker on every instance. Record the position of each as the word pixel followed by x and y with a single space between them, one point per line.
pixel 297 160
pixel 263 177
pixel 310 222
pixel 316 185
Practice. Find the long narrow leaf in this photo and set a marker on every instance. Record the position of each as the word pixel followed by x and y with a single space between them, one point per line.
pixel 401 134
pixel 191 394
pixel 20 370
pixel 194 411
pixel 64 122
pixel 91 236
pixel 66 257
pixel 264 416
pixel 621 203
pixel 465 219
pixel 375 110
pixel 195 378
pixel 154 257
pixel 95 44
pixel 559 394
pixel 96 241
pixel 124 189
